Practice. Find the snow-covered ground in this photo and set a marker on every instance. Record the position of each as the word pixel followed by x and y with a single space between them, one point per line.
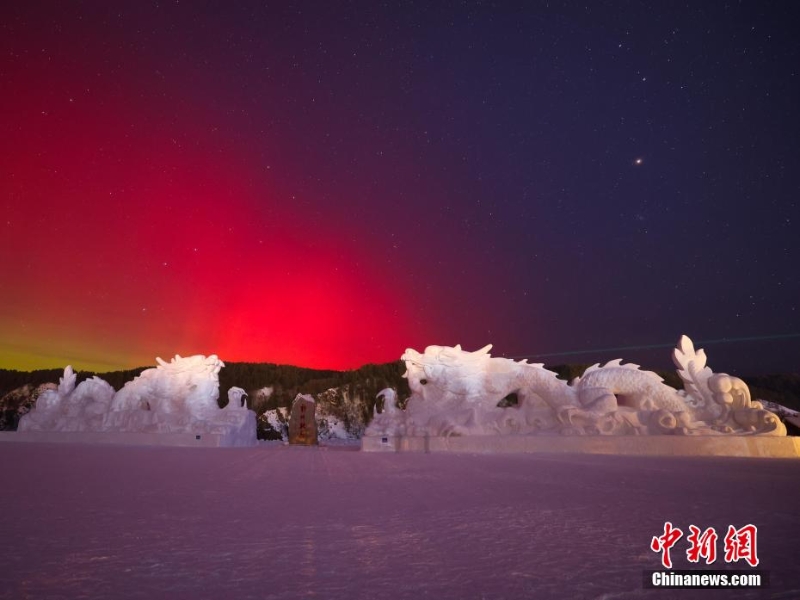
pixel 331 522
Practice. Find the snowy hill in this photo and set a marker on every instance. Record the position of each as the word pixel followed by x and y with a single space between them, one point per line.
pixel 19 401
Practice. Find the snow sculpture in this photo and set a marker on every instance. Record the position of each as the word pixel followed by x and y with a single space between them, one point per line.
pixel 70 408
pixel 457 393
pixel 390 420
pixel 236 399
pixel 52 398
pixel 389 397
pixel 183 385
pixel 175 397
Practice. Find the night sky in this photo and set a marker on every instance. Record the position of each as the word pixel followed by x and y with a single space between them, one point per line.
pixel 326 184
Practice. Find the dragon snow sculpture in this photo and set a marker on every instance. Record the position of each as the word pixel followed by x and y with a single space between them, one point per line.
pixel 463 393
pixel 179 396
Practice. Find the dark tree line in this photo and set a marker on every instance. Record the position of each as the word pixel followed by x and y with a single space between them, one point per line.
pixel 288 381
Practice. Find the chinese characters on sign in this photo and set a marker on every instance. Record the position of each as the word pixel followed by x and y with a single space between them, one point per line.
pixel 303 421
pixel 303 432
pixel 739 544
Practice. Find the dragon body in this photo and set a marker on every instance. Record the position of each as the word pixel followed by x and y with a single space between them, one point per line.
pixel 455 392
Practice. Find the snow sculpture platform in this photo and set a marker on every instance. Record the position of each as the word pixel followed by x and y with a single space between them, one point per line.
pixel 172 404
pixel 120 438
pixel 750 446
pixel 472 402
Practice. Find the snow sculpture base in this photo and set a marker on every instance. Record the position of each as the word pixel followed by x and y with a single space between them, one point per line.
pixel 730 445
pixel 121 438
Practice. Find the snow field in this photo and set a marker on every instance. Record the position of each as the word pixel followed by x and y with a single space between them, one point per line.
pixel 285 522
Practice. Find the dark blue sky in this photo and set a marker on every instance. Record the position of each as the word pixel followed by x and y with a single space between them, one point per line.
pixel 544 176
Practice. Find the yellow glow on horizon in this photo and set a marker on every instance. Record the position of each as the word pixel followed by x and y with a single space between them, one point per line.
pixel 31 361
